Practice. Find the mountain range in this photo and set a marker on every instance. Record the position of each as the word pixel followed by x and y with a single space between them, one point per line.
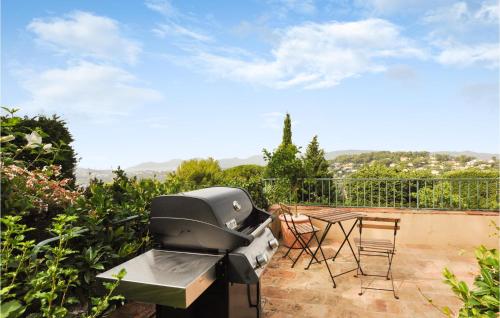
pixel 158 169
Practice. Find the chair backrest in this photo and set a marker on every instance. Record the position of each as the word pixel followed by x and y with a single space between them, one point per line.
pixel 287 215
pixel 285 208
pixel 379 223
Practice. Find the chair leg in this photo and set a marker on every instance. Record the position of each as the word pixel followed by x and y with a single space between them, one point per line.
pixel 290 248
pixel 304 245
pixel 315 236
pixel 359 271
pixel 393 289
pixel 391 278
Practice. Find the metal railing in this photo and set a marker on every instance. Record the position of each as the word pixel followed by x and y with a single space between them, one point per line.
pixel 439 194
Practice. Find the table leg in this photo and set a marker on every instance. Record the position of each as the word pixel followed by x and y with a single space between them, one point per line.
pixel 325 233
pixel 346 235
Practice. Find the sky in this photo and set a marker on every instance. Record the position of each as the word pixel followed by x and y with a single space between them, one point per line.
pixel 140 81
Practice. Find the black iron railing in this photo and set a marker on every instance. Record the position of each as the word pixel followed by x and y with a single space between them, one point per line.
pixel 443 194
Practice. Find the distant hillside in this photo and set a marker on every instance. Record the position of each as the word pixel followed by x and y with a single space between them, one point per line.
pixel 159 169
pixel 479 155
pixel 170 165
pixel 436 163
pixel 334 154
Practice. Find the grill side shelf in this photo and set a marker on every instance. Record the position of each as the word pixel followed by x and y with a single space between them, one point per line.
pixel 168 278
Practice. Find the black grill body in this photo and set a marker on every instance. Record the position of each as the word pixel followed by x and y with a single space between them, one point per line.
pixel 224 221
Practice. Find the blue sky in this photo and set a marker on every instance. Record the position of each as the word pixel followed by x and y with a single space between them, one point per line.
pixel 156 80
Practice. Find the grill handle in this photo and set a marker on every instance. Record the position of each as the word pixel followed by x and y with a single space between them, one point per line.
pixel 261 228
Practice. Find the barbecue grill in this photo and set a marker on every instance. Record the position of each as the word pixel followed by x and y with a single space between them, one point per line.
pixel 211 248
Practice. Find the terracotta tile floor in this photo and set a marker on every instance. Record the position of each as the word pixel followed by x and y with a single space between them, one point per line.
pixel 295 292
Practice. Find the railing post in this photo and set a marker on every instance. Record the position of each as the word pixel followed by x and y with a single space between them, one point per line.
pixel 460 194
pixel 418 201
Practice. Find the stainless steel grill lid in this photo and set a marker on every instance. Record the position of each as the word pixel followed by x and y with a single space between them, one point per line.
pixel 217 218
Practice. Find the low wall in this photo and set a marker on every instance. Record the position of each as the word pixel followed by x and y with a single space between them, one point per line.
pixel 426 228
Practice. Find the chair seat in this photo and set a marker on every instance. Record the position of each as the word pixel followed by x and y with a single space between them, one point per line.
pixel 374 244
pixel 304 228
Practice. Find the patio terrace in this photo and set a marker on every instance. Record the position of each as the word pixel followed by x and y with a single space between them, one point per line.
pixel 295 292
pixel 428 242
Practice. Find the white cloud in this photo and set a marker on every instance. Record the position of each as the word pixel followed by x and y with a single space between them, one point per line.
pixel 172 29
pixel 88 90
pixel 465 33
pixel 401 73
pixel 298 6
pixel 84 34
pixel 163 7
pixel 318 55
pixel 488 13
pixel 487 54
pixel 461 15
pixel 388 7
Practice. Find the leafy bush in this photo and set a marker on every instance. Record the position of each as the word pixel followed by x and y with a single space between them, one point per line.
pixel 50 281
pixel 196 173
pixel 278 191
pixel 54 132
pixel 243 172
pixel 483 299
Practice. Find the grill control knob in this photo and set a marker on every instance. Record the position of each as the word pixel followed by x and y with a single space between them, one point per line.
pixel 273 243
pixel 261 259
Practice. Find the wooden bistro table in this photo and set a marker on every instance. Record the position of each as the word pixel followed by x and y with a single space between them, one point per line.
pixel 331 217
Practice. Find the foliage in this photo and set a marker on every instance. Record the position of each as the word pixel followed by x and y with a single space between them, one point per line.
pixel 472 173
pixel 42 287
pixel 34 191
pixel 244 172
pixel 287 131
pixel 48 282
pixel 483 299
pixel 407 161
pixel 54 132
pixel 315 164
pixel 278 191
pixel 284 162
pixel 248 177
pixel 196 173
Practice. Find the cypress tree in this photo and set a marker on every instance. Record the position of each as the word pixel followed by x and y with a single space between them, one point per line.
pixel 315 164
pixel 287 131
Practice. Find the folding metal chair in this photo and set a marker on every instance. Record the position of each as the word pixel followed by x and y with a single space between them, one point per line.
pixel 300 232
pixel 377 247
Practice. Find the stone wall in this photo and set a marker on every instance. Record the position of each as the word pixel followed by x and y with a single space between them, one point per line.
pixel 425 228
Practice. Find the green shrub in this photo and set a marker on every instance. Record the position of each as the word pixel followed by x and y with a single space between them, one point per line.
pixel 54 131
pixel 482 300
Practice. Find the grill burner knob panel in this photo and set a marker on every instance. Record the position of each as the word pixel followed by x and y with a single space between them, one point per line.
pixel 273 243
pixel 261 260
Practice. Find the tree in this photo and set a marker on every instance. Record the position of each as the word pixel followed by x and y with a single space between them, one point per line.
pixel 284 162
pixel 196 173
pixel 315 164
pixel 287 131
pixel 248 177
pixel 243 172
